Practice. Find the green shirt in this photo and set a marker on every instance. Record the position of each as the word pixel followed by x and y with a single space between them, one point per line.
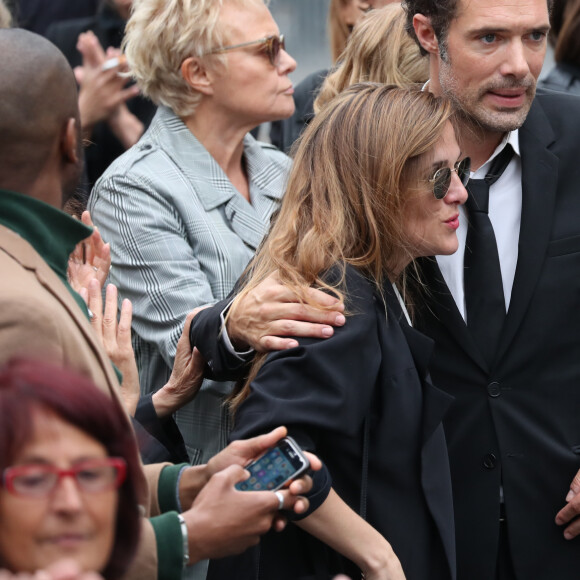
pixel 50 231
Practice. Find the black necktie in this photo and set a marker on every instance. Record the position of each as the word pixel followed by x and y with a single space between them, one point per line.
pixel 484 297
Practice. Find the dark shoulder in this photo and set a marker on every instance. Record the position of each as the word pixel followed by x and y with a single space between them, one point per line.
pixel 558 104
pixel 359 291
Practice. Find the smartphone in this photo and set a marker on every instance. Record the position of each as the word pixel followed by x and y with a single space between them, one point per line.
pixel 277 467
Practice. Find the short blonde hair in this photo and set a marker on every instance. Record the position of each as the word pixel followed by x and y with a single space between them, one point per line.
pixel 161 34
pixel 5 16
pixel 379 50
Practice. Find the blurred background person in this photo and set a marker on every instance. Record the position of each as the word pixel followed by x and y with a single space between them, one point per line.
pixel 565 37
pixel 69 473
pixel 342 17
pixel 113 113
pixel 185 208
pixel 379 51
pixel 377 182
pixel 38 15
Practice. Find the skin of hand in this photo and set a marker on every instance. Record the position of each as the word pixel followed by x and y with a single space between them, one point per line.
pixel 115 336
pixel 186 377
pixel 241 453
pixel 569 513
pixel 102 93
pixel 61 570
pixel 224 521
pixel 91 259
pixel 262 318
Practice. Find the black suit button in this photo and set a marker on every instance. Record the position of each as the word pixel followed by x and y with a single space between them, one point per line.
pixel 489 461
pixel 493 390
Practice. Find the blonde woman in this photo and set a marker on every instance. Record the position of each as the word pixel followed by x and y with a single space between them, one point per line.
pixel 376 183
pixel 186 207
pixel 379 50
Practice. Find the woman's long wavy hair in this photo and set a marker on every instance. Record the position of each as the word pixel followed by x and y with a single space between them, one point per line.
pixel 356 166
pixel 380 51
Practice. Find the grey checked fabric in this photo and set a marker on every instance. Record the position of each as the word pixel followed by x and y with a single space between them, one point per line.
pixel 180 237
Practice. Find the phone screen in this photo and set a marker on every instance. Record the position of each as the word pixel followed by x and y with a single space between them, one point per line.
pixel 273 469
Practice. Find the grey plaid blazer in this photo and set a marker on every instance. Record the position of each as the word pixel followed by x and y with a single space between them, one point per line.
pixel 180 237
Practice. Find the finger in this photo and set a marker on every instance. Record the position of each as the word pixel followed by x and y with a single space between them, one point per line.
pixel 257 445
pixel 110 317
pixel 301 486
pixel 279 523
pixel 96 307
pixel 574 487
pixel 233 474
pixel 104 264
pixel 124 326
pixel 573 530
pixel 324 300
pixel 315 462
pixel 298 504
pixel 86 219
pixel 294 311
pixel 128 93
pixel 568 513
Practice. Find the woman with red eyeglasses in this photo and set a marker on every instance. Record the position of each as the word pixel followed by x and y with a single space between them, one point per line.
pixel 68 468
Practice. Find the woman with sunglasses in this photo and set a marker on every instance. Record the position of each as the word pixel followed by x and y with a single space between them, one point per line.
pixel 185 209
pixel 377 182
pixel 69 469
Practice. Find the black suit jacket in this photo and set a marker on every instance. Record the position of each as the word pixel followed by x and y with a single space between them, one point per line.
pixel 517 422
pixel 322 391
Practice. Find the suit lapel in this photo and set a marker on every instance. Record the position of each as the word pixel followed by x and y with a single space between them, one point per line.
pixel 539 181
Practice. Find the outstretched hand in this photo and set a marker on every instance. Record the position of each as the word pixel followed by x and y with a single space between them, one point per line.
pixel 90 260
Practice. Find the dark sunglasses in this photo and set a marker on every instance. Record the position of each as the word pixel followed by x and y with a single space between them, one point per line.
pixel 272 47
pixel 441 179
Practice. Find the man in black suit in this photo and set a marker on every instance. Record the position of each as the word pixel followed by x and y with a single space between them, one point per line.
pixel 513 432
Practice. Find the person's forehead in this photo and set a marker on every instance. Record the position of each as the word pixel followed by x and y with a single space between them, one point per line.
pixel 502 13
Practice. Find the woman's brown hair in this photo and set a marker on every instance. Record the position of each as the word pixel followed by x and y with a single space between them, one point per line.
pixel 355 167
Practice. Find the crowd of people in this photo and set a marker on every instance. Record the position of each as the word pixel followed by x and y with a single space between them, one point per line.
pixel 392 281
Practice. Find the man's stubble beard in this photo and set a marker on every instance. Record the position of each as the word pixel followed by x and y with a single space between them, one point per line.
pixel 469 106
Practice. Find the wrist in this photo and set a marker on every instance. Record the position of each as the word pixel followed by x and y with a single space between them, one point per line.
pixel 164 401
pixel 379 559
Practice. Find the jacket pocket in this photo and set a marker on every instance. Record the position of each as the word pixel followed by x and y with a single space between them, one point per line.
pixel 564 246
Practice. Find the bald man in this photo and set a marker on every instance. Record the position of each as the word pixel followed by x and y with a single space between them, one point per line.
pixel 40 314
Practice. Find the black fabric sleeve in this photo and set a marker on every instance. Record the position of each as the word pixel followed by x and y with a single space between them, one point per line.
pixel 323 386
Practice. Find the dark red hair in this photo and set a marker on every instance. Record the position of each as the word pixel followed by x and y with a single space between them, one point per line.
pixel 27 386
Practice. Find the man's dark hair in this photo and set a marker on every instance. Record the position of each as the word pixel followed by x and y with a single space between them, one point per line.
pixel 440 12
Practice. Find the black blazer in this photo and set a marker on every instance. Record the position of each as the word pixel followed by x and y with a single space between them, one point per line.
pixel 322 391
pixel 517 423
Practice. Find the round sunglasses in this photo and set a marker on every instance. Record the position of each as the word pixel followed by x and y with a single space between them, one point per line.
pixel 272 47
pixel 441 179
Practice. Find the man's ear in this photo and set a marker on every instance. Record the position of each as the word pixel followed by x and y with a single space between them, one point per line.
pixel 425 33
pixel 70 141
pixel 197 76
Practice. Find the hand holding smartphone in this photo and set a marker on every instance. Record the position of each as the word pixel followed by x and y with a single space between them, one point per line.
pixel 278 467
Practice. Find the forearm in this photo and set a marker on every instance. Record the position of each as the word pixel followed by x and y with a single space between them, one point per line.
pixel 126 126
pixel 338 526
